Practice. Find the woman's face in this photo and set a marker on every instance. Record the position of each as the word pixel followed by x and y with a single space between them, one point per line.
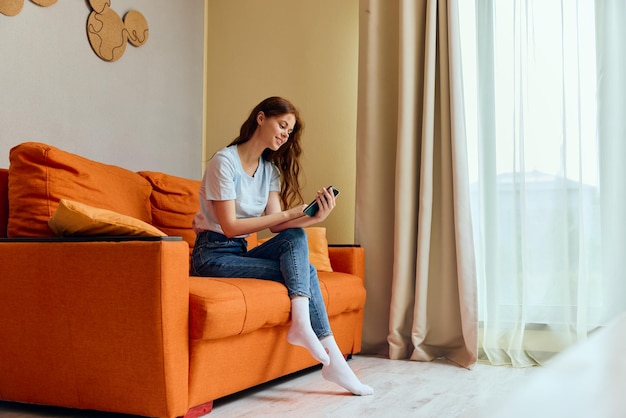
pixel 275 130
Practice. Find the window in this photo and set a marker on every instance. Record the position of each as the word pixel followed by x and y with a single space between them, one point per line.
pixel 529 74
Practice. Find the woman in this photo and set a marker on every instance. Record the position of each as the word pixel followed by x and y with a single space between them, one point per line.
pixel 245 187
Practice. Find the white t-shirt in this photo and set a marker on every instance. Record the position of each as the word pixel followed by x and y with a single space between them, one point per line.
pixel 225 179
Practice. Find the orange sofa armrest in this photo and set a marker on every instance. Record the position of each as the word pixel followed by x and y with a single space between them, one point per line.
pixel 347 259
pixel 4 201
pixel 96 325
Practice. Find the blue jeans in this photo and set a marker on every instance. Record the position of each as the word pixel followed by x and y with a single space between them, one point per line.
pixel 284 259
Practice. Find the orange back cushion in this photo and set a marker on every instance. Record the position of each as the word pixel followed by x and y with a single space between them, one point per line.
pixel 4 201
pixel 174 203
pixel 40 175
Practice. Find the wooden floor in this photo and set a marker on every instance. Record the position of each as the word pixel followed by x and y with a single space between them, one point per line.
pixel 402 389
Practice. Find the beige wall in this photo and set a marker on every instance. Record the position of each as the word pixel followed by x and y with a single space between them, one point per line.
pixel 306 51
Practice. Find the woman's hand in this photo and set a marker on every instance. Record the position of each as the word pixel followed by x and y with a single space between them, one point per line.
pixel 298 219
pixel 326 201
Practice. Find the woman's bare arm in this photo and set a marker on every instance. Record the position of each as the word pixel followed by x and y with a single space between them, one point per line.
pixel 232 226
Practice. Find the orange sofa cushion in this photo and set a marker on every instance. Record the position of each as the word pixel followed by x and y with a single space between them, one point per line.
pixel 41 175
pixel 224 307
pixel 174 203
pixel 4 201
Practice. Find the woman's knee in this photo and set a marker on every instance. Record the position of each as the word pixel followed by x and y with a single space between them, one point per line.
pixel 294 234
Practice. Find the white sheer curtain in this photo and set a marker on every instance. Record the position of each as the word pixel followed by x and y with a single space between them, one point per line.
pixel 546 142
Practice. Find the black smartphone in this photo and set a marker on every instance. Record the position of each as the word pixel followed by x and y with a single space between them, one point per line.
pixel 313 207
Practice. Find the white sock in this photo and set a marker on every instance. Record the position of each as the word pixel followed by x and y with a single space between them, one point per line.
pixel 339 372
pixel 301 333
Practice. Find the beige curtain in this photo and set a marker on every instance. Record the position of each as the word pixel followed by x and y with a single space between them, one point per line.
pixel 413 215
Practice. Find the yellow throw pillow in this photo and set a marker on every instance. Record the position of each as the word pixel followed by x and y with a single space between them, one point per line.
pixel 74 218
pixel 318 248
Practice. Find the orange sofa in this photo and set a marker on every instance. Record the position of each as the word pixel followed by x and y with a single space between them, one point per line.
pixel 116 323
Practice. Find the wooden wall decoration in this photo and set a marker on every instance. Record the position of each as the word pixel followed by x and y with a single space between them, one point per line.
pixel 44 3
pixel 106 31
pixel 14 7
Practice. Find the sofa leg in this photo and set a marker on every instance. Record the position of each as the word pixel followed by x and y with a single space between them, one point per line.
pixel 200 410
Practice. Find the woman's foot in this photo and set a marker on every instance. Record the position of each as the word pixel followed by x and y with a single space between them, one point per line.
pixel 340 373
pixel 301 333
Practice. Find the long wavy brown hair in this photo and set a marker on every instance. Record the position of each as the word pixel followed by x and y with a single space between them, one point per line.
pixel 287 158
